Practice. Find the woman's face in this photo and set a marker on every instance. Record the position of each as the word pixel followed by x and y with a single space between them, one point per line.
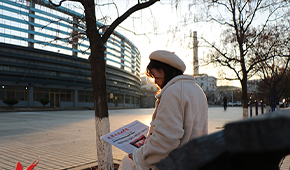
pixel 158 76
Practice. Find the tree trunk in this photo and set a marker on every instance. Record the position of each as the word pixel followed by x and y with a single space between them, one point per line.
pixel 104 149
pixel 98 74
pixel 240 37
pixel 244 98
pixel 98 71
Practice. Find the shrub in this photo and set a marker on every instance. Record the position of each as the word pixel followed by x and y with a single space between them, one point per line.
pixel 10 101
pixel 44 102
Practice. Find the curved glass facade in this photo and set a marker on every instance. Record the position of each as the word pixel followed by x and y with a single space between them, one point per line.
pixel 43 55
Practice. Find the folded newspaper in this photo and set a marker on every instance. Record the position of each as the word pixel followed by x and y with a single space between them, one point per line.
pixel 128 137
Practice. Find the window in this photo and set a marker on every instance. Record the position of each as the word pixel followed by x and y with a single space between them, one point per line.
pixel 129 99
pixel 67 95
pixel 41 93
pixel 16 92
pixel 85 96
pixel 120 98
pixel 5 68
pixel 137 100
pixel 2 94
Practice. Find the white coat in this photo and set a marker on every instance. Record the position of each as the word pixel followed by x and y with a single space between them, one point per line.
pixel 181 114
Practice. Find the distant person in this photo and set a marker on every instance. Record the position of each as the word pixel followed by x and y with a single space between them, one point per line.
pixel 181 112
pixel 225 103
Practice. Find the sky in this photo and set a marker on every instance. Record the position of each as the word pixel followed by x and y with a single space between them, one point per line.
pixel 156 22
pixel 159 19
pixel 151 31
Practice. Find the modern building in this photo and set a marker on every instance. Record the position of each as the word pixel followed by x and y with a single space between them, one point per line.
pixel 208 85
pixel 41 56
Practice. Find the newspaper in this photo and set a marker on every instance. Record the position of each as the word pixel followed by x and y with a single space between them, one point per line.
pixel 128 137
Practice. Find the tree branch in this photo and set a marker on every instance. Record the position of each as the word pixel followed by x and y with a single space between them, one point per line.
pixel 227 60
pixel 57 5
pixel 120 19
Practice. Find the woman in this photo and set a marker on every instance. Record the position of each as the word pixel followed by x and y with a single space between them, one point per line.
pixel 181 111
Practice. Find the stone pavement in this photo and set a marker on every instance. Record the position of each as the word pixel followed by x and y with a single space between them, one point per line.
pixel 60 140
pixel 66 139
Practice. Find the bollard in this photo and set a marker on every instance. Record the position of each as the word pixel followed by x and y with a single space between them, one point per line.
pixel 256 107
pixel 262 107
pixel 250 108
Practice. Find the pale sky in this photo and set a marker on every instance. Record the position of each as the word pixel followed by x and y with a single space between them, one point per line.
pixel 159 19
pixel 162 17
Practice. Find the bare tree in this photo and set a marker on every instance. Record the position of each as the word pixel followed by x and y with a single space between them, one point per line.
pixel 275 87
pixel 243 22
pixel 274 47
pixel 98 36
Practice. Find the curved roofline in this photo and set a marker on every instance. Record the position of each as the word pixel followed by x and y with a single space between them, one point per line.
pixel 73 13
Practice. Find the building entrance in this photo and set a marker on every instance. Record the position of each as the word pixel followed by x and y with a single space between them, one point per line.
pixel 54 99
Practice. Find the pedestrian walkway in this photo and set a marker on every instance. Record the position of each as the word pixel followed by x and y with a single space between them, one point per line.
pixel 60 140
pixel 66 139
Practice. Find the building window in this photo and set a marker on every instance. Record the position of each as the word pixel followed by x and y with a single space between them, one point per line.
pixel 41 93
pixel 67 95
pixel 110 97
pixel 85 96
pixel 137 100
pixel 54 73
pixel 129 99
pixel 116 99
pixel 120 98
pixel 4 68
pixel 2 93
pixel 17 92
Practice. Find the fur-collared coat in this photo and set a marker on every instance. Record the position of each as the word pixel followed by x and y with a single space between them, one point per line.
pixel 181 114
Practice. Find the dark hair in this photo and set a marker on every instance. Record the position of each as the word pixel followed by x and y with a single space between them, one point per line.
pixel 169 71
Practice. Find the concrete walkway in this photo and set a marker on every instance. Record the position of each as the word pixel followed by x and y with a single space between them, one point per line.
pixel 66 139
pixel 62 139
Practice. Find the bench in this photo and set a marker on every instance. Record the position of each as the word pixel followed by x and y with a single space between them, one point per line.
pixel 254 143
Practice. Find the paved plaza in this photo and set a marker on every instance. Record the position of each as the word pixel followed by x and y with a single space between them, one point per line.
pixel 66 139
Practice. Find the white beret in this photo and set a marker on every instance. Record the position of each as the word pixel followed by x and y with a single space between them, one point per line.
pixel 168 58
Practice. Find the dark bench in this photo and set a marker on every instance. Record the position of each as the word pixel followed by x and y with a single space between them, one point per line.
pixel 251 144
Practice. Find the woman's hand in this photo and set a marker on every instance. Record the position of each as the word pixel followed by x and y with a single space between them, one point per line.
pixel 130 156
